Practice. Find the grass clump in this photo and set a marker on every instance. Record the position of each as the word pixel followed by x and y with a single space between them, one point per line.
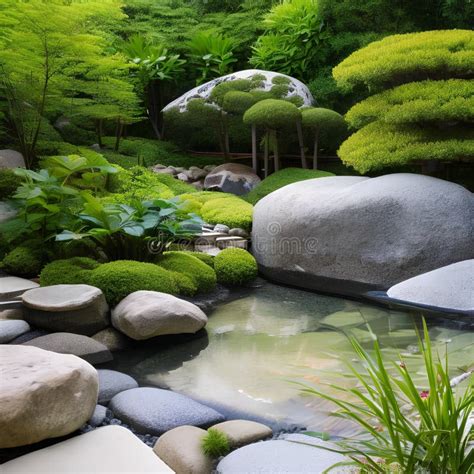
pixel 23 262
pixel 71 271
pixel 202 275
pixel 282 178
pixel 215 443
pixel 235 266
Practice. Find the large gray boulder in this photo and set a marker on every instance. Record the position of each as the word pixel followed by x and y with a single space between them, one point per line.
pixel 43 394
pixel 145 314
pixel 448 288
pixel 232 178
pixel 347 234
pixel 155 411
pixel 79 309
pixel 11 159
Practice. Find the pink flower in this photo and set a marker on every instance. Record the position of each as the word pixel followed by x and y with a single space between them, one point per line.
pixel 424 394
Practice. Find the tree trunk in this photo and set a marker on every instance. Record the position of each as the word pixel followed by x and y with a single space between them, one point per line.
pixel 152 110
pixel 315 151
pixel 118 134
pixel 265 153
pixel 301 143
pixel 275 151
pixel 254 148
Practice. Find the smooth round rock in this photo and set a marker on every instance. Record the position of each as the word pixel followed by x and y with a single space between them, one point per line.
pixel 65 343
pixel 111 338
pixel 80 309
pixel 232 178
pixel 11 287
pixel 43 394
pixel 155 411
pixel 11 159
pixel 350 234
pixel 242 432
pixel 98 416
pixel 180 448
pixel 448 288
pixel 145 314
pixel 112 382
pixel 11 329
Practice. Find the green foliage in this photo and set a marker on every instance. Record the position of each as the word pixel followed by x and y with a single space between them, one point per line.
pixel 235 266
pixel 215 443
pixel 411 57
pixel 9 182
pixel 272 114
pixel 318 119
pixel 120 278
pixel 379 145
pixel 219 92
pixel 282 178
pixel 450 101
pixel 204 257
pixel 23 262
pixel 412 428
pixel 201 274
pixel 294 30
pixel 70 271
pixel 237 102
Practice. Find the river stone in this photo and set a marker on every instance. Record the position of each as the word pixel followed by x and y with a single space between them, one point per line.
pixel 145 314
pixel 28 336
pixel 11 314
pixel 112 382
pixel 155 411
pixel 232 178
pixel 281 457
pixel 180 448
pixel 11 159
pixel 110 449
pixel 449 287
pixel 194 173
pixel 80 309
pixel 242 432
pixel 98 416
pixel 12 287
pixel 43 394
pixel 11 329
pixel 348 234
pixel 65 343
pixel 111 338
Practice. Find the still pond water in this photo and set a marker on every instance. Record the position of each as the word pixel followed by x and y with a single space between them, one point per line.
pixel 258 344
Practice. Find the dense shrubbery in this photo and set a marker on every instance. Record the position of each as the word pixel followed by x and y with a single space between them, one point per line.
pixel 23 262
pixel 235 267
pixel 9 182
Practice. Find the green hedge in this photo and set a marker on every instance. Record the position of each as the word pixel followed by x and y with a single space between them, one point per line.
pixel 272 113
pixel 235 267
pixel 282 178
pixel 399 59
pixel 70 271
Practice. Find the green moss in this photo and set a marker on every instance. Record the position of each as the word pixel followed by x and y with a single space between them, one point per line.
pixel 202 275
pixel 70 271
pixel 23 262
pixel 273 114
pixel 204 257
pixel 186 286
pixel 279 91
pixel 120 278
pixel 296 100
pixel 219 91
pixel 235 267
pixel 282 178
pixel 317 118
pixel 215 443
pixel 281 80
pixel 237 102
pixel 9 181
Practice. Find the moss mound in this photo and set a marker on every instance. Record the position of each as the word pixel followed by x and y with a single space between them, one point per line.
pixel 69 271
pixel 23 262
pixel 235 267
pixel 9 181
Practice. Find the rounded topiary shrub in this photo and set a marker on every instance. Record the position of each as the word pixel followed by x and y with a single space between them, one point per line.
pixel 235 267
pixel 273 114
pixel 71 271
pixel 202 275
pixel 23 262
pixel 204 257
pixel 120 278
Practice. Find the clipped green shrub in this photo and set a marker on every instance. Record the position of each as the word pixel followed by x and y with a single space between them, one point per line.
pixel 399 59
pixel 9 181
pixel 202 275
pixel 23 262
pixel 237 102
pixel 204 257
pixel 215 443
pixel 282 178
pixel 273 114
pixel 221 90
pixel 71 271
pixel 120 278
pixel 235 266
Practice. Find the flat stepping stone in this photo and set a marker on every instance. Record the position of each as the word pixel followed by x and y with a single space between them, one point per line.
pixel 242 432
pixel 65 343
pixel 43 395
pixel 231 241
pixel 80 309
pixel 110 449
pixel 12 287
pixel 11 329
pixel 208 238
pixel 180 448
pixel 155 411
pixel 112 382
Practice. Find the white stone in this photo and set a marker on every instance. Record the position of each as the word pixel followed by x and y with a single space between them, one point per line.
pixel 11 287
pixel 11 159
pixel 242 432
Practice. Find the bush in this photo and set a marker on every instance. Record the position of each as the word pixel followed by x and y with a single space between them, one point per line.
pixel 120 278
pixel 237 102
pixel 204 257
pixel 399 59
pixel 70 271
pixel 23 262
pixel 272 113
pixel 215 443
pixel 9 181
pixel 202 275
pixel 282 178
pixel 235 267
